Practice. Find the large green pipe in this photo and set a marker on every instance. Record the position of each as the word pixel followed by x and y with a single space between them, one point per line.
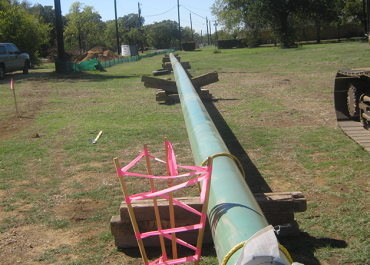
pixel 233 212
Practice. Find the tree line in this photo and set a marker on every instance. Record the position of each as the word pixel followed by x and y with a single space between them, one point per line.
pixel 286 18
pixel 33 29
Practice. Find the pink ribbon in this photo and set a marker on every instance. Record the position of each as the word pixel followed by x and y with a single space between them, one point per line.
pixel 201 173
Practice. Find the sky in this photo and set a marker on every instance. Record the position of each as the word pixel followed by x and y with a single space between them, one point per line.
pixel 151 10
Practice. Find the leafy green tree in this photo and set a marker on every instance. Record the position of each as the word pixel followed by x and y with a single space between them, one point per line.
pixel 162 35
pixel 279 15
pixel 320 12
pixel 22 28
pixel 227 17
pixel 129 31
pixel 46 15
pixel 356 9
pixel 224 35
pixel 340 16
pixel 84 28
pixel 186 34
pixel 131 21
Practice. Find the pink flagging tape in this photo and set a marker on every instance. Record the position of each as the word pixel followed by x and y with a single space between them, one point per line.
pixel 182 242
pixel 171 160
pixel 181 204
pixel 133 162
pixel 148 195
pixel 130 174
pixel 176 261
pixel 204 187
pixel 138 236
pixel 172 230
pixel 199 173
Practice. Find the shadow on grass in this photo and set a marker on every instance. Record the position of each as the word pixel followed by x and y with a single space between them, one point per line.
pixel 302 247
pixel 91 76
pixel 254 180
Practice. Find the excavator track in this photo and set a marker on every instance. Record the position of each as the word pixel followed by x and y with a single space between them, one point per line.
pixel 349 86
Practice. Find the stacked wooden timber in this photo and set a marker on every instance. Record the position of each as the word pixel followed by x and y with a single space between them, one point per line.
pixel 167 59
pixel 168 91
pixel 168 65
pixel 278 208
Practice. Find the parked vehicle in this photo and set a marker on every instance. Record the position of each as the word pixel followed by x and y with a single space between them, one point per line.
pixel 12 59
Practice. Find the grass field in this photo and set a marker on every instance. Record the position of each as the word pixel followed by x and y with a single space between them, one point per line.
pixel 273 107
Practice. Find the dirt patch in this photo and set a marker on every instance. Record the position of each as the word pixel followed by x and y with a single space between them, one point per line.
pixel 30 100
pixel 77 210
pixel 101 53
pixel 24 244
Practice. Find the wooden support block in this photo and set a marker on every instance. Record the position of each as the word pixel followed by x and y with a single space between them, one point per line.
pixel 167 55
pixel 278 208
pixel 167 85
pixel 289 202
pixel 124 236
pixel 170 86
pixel 167 59
pixel 167 66
pixel 123 232
pixel 167 97
pixel 205 79
pixel 185 65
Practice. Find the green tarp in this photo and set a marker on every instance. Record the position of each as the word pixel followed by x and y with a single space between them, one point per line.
pixel 94 64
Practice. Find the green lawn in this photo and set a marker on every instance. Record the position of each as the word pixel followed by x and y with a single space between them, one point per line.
pixel 273 107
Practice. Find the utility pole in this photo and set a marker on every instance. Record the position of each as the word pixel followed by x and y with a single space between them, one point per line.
pixel 365 15
pixel 115 11
pixel 59 25
pixel 191 27
pixel 139 11
pixel 178 14
pixel 207 29
pixel 368 16
pixel 201 37
pixel 216 29
pixel 210 31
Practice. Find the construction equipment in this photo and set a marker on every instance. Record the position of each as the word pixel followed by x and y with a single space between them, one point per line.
pixel 352 104
pixel 352 99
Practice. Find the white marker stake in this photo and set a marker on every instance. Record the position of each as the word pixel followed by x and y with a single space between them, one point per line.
pixel 15 100
pixel 97 137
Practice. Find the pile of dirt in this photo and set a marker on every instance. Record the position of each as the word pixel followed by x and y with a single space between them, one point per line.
pixel 101 53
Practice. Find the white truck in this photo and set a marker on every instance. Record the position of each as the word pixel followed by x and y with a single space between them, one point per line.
pixel 12 59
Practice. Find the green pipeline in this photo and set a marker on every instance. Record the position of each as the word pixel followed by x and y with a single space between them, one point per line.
pixel 233 212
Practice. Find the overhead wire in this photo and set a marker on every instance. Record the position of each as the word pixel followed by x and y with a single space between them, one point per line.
pixel 193 12
pixel 161 13
pixel 196 8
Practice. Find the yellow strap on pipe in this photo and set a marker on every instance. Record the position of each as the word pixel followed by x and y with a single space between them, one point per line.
pixel 240 245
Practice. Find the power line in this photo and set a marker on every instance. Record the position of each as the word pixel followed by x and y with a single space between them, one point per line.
pixel 193 12
pixel 197 8
pixel 161 13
